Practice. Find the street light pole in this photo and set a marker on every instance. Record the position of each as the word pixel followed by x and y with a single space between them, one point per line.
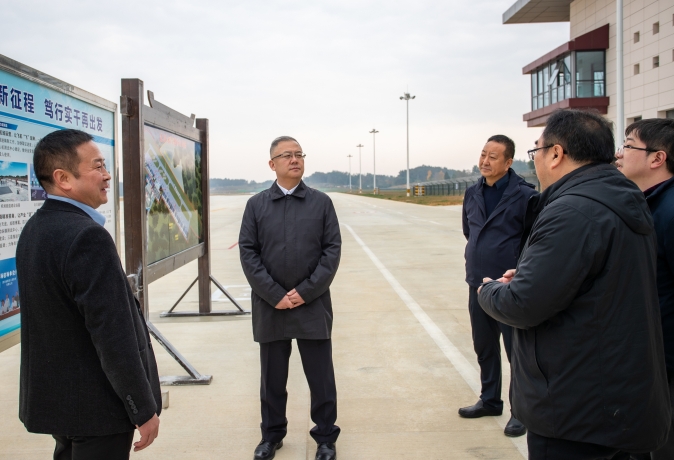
pixel 360 169
pixel 350 156
pixel 374 158
pixel 406 97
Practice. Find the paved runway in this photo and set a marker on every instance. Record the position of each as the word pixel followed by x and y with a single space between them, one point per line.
pixel 401 341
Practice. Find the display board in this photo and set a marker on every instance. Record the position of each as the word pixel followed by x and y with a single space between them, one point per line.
pixel 32 105
pixel 173 197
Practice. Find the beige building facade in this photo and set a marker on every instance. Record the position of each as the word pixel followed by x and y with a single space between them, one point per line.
pixel 582 72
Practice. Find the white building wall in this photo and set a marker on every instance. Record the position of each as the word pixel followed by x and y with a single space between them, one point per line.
pixel 650 93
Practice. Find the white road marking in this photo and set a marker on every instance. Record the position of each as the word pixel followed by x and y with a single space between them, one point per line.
pixel 460 363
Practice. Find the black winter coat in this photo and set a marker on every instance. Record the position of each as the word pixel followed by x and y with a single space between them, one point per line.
pixel 494 243
pixel 587 354
pixel 290 242
pixel 85 349
pixel 661 203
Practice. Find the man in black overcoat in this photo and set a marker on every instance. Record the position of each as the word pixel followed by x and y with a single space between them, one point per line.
pixel 588 364
pixel 88 372
pixel 290 247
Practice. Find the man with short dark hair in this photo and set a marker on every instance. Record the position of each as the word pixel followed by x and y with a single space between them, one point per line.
pixel 493 222
pixel 88 372
pixel 588 365
pixel 647 158
pixel 290 247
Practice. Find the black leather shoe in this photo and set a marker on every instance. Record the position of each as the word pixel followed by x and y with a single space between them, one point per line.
pixel 514 428
pixel 326 451
pixel 478 410
pixel 266 450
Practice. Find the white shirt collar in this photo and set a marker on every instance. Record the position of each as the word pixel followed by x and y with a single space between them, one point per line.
pixel 286 191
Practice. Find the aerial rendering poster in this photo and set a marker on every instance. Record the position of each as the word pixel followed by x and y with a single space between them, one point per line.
pixel 172 193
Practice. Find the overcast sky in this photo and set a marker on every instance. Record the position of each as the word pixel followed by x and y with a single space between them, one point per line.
pixel 325 72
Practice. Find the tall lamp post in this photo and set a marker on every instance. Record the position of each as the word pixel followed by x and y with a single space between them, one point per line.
pixel 349 157
pixel 374 157
pixel 406 97
pixel 360 170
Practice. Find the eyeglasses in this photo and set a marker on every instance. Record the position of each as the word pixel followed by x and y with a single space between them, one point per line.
pixel 621 149
pixel 532 152
pixel 289 155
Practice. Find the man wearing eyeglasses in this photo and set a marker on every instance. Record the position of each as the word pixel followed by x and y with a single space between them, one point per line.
pixel 493 222
pixel 290 247
pixel 647 158
pixel 588 362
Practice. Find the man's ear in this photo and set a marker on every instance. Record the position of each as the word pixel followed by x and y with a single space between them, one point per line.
pixel 509 162
pixel 62 180
pixel 272 165
pixel 557 153
pixel 658 159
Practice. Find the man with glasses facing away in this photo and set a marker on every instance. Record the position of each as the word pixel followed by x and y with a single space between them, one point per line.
pixel 493 222
pixel 588 361
pixel 290 247
pixel 647 158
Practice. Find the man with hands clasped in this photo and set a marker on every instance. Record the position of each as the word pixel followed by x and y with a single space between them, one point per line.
pixel 290 247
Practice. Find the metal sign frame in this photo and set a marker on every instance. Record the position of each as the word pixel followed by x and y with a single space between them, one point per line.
pixel 40 78
pixel 135 115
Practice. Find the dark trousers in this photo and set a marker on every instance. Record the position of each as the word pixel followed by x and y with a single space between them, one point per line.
pixel 666 452
pixel 317 363
pixel 487 345
pixel 542 448
pixel 111 447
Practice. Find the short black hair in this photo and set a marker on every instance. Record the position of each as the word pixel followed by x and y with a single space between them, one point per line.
pixel 656 133
pixel 58 150
pixel 507 143
pixel 585 136
pixel 280 139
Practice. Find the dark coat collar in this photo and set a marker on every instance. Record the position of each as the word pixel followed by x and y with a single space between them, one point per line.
pixel 660 189
pixel 276 192
pixel 58 205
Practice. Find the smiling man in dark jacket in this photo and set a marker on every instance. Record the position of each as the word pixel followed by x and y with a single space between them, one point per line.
pixel 647 158
pixel 588 367
pixel 88 372
pixel 290 247
pixel 493 222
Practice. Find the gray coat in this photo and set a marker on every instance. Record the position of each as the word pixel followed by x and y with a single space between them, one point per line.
pixel 87 365
pixel 290 242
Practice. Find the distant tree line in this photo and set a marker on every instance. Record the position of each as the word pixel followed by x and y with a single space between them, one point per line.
pixel 337 179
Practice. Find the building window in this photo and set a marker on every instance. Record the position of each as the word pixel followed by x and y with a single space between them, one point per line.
pixel 656 62
pixel 656 28
pixel 669 114
pixel 636 69
pixel 636 37
pixel 637 118
pixel 551 83
pixel 590 74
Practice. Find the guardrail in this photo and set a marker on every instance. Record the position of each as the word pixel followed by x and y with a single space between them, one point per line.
pixel 459 185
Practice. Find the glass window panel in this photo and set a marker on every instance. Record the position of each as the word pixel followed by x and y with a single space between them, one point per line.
pixel 546 99
pixel 560 93
pixel 587 63
pixel 534 100
pixel 533 85
pixel 540 101
pixel 540 82
pixel 568 89
pixel 553 95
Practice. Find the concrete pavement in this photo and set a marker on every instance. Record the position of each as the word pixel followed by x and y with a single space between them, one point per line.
pixel 401 341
